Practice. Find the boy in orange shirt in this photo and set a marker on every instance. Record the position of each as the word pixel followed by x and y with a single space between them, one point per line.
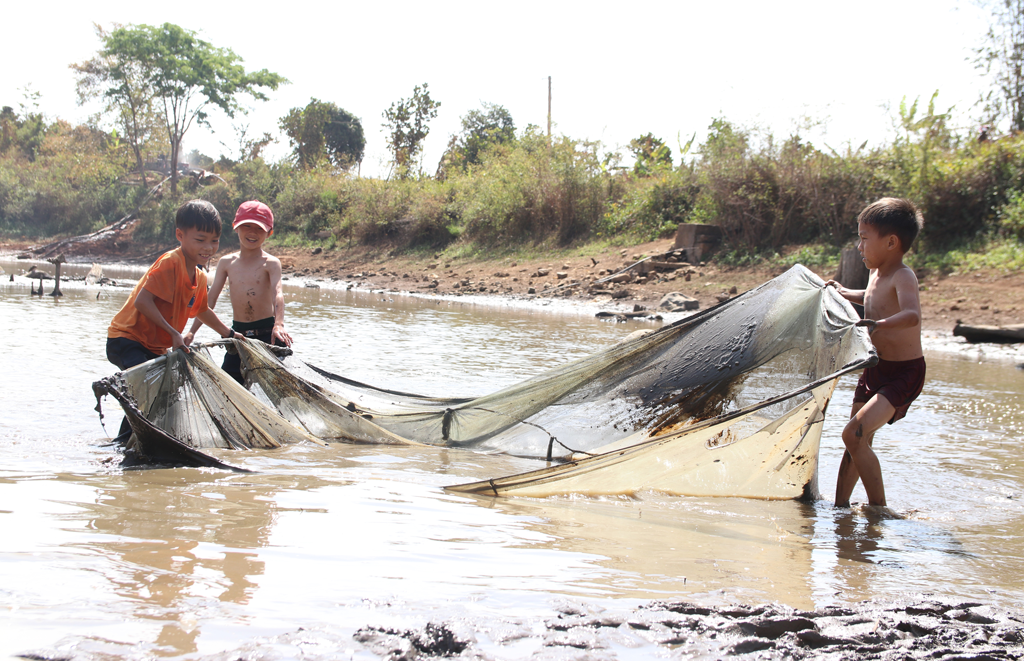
pixel 254 279
pixel 892 314
pixel 171 292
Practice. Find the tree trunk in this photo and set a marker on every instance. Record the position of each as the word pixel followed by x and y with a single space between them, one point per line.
pixel 852 273
pixel 141 162
pixel 175 146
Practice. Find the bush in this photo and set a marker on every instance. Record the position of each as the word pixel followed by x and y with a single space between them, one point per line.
pixel 531 191
pixel 765 193
pixel 1011 217
pixel 310 202
pixel 71 187
pixel 652 207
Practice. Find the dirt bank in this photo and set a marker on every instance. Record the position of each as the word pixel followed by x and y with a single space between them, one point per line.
pixel 981 297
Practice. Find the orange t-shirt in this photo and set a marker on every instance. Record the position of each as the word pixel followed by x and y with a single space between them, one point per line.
pixel 176 297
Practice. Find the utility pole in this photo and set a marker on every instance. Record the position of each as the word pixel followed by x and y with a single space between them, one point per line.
pixel 549 108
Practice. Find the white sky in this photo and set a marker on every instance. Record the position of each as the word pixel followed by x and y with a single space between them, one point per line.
pixel 619 69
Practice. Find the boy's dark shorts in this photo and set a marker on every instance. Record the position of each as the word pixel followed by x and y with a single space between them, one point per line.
pixel 125 353
pixel 899 381
pixel 262 330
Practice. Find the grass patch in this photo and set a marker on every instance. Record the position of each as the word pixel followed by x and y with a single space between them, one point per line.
pixel 297 240
pixel 1003 254
pixel 820 255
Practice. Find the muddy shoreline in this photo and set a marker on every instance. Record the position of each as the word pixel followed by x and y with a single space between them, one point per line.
pixel 977 298
pixel 992 298
pixel 980 297
pixel 920 630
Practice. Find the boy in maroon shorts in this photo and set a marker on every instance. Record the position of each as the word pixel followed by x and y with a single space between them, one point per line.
pixel 892 311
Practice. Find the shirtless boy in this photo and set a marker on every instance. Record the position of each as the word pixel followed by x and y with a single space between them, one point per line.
pixel 892 314
pixel 254 280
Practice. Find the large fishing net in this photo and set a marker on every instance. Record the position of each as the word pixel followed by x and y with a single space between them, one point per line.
pixel 729 401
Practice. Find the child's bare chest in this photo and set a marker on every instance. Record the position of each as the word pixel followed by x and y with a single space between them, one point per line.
pixel 880 299
pixel 249 279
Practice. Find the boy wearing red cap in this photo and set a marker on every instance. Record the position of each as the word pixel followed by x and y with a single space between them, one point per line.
pixel 254 283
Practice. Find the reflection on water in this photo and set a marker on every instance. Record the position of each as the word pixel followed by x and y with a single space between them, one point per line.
pixel 671 547
pixel 191 562
pixel 177 539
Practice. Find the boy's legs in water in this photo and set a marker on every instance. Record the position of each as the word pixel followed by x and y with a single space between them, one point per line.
pixel 125 354
pixel 859 460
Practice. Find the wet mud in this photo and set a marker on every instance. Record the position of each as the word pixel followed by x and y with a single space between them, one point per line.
pixel 680 629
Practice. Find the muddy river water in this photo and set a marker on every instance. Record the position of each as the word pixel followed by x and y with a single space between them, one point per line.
pixel 100 562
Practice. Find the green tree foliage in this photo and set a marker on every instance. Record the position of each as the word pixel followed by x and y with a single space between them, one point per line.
pixel 651 154
pixel 481 129
pixel 921 140
pixel 407 124
pixel 533 191
pixel 22 133
pixel 185 74
pixel 324 132
pixel 1001 58
pixel 121 83
pixel 767 194
pixel 72 186
pixel 247 147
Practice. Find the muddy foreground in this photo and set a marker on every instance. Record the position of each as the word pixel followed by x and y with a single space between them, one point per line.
pixel 660 629
pixel 920 631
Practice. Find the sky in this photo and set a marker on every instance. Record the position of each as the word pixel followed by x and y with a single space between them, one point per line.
pixel 618 69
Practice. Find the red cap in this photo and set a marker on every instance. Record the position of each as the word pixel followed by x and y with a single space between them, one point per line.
pixel 254 212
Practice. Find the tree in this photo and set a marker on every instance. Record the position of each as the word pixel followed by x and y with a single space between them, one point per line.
pixel 1002 59
pixel 406 122
pixel 249 149
pixel 323 131
pixel 491 125
pixel 128 96
pixel 651 154
pixel 169 65
pixel 25 131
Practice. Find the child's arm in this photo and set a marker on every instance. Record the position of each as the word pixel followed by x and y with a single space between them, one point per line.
pixel 852 295
pixel 146 304
pixel 909 300
pixel 210 318
pixel 215 289
pixel 274 269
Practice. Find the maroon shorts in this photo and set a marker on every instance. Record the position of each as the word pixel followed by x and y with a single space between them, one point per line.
pixel 899 381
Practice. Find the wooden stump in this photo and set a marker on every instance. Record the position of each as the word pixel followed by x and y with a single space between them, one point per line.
pixel 56 261
pixel 697 240
pixel 852 273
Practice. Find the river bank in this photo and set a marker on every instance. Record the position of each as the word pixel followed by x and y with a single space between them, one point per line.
pixel 978 297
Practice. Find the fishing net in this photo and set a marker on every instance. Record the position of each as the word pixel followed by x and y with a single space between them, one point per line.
pixel 729 401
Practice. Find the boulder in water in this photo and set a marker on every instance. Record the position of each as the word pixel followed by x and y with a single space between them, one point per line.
pixel 678 302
